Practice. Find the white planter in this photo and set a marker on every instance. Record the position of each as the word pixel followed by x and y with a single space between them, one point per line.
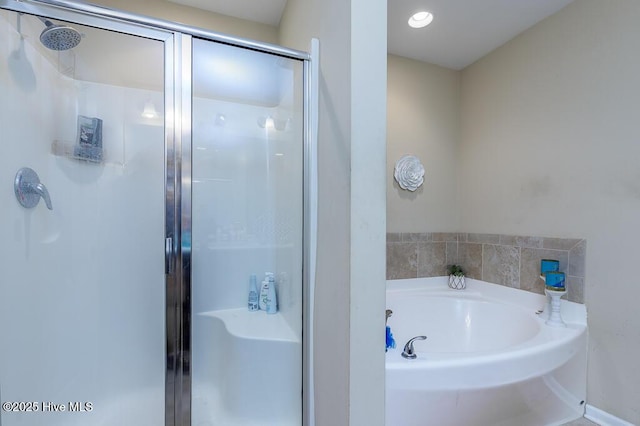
pixel 457 282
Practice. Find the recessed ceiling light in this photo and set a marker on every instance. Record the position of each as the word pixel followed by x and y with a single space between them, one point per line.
pixel 420 19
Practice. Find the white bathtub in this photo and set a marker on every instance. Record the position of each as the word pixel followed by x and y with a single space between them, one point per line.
pixel 489 359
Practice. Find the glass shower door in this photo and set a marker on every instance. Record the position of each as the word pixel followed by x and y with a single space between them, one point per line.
pixel 247 210
pixel 82 292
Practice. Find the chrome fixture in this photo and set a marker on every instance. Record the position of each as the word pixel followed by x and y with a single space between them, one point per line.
pixel 29 190
pixel 59 37
pixel 409 352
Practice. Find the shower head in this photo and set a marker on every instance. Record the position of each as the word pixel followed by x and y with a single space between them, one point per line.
pixel 59 37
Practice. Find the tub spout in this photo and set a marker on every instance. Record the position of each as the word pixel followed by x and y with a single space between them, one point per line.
pixel 409 352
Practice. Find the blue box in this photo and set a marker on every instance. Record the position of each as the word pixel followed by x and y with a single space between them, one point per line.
pixel 554 280
pixel 548 265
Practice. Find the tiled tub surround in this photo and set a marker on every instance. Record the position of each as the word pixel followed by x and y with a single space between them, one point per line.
pixel 509 260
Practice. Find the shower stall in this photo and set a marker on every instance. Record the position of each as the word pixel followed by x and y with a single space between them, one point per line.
pixel 150 169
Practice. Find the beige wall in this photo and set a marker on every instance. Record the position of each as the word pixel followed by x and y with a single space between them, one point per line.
pixel 423 119
pixel 550 145
pixel 166 10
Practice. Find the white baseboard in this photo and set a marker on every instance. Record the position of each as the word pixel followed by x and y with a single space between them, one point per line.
pixel 603 418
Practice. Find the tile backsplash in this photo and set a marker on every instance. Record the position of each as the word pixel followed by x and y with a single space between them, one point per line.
pixel 509 260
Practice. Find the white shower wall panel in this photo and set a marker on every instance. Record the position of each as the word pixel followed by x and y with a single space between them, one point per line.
pixel 247 205
pixel 83 284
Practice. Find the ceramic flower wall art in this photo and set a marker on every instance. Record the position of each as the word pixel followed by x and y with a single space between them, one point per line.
pixel 409 172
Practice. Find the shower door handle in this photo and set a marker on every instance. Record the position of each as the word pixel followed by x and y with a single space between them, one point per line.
pixel 168 255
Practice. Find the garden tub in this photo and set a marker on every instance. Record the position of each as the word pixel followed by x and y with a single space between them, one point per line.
pixel 489 357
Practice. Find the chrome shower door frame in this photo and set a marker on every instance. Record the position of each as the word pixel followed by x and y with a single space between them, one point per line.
pixel 177 39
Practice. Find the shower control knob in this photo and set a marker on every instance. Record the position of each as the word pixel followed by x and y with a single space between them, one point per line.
pixel 29 190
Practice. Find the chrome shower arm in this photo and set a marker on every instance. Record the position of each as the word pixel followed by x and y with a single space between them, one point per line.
pixel 46 22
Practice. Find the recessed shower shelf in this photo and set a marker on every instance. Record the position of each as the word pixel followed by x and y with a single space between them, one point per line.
pixel 68 149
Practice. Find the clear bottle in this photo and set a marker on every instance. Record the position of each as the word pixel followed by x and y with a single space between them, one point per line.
pixel 252 302
pixel 272 299
pixel 264 290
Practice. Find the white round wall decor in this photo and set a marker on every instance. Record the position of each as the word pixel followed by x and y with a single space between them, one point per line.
pixel 409 172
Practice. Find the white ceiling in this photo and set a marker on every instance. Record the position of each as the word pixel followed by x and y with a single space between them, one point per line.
pixel 462 31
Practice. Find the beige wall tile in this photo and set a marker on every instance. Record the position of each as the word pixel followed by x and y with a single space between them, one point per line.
pixel 444 236
pixel 521 241
pixel 483 238
pixel 451 253
pixel 470 257
pixel 501 265
pixel 416 236
pixel 517 264
pixel 530 266
pixel 575 289
pixel 402 260
pixel 394 237
pixel 432 259
pixel 560 243
pixel 577 259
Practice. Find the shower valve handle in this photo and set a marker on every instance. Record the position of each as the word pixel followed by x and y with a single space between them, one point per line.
pixel 42 191
pixel 29 190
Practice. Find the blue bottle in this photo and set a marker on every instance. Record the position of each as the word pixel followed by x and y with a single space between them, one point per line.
pixel 390 341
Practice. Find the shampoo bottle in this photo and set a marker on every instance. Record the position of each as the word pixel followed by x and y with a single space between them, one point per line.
pixel 272 299
pixel 264 290
pixel 252 302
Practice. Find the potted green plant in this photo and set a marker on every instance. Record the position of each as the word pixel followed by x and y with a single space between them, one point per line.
pixel 456 277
